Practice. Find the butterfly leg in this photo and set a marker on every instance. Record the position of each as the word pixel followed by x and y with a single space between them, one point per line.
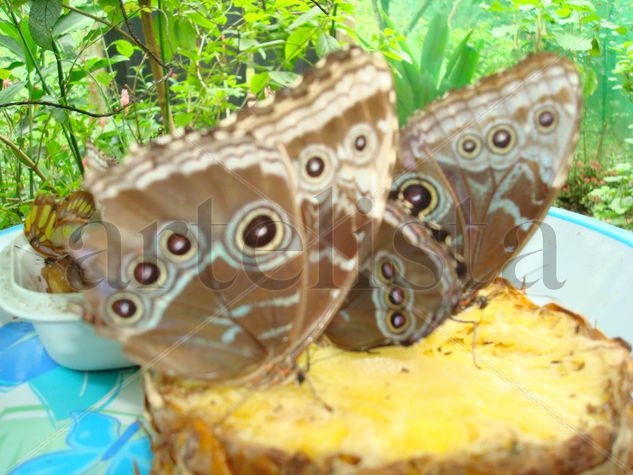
pixel 475 325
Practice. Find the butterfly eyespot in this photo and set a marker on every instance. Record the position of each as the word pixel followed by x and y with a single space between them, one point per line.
pixel 314 167
pixel 361 142
pixel 395 297
pixel 260 231
pixel 177 246
pixel 386 271
pixel 419 196
pixel 124 308
pixel 501 139
pixel 397 322
pixel 469 146
pixel 546 119
pixel 148 271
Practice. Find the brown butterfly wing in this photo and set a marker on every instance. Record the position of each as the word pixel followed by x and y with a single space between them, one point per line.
pixel 338 126
pixel 210 279
pixel 408 286
pixel 504 147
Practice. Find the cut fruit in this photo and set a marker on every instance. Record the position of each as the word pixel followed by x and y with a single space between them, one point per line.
pixel 542 392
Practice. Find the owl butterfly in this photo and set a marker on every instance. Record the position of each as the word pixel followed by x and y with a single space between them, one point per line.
pixel 479 169
pixel 231 241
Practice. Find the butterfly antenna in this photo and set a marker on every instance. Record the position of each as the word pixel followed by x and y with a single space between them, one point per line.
pixel 475 325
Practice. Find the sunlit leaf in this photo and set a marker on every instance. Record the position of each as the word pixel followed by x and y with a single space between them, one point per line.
pixel 297 41
pixel 305 18
pixel 283 78
pixel 573 42
pixel 258 82
pixel 124 47
pixel 434 48
pixel 325 44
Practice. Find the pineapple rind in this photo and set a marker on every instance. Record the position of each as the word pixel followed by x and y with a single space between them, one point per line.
pixel 543 392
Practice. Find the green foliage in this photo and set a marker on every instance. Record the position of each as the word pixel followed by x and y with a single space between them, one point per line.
pixel 420 81
pixel 125 80
pixel 445 44
pixel 612 201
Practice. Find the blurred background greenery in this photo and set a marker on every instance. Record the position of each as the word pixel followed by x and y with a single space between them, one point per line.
pixel 115 72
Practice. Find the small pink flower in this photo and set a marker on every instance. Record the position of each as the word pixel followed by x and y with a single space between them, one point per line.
pixel 125 97
pixel 602 182
pixel 586 180
pixel 6 83
pixel 102 122
pixel 593 180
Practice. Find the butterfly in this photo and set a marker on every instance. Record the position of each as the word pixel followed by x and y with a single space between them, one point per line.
pixel 50 223
pixel 479 169
pixel 222 254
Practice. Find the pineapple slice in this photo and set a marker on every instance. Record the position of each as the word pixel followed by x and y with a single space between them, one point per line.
pixel 538 391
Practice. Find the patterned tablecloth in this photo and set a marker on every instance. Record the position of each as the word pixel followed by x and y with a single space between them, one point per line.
pixel 58 421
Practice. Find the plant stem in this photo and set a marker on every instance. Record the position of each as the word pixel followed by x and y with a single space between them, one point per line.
pixel 69 138
pixel 157 71
pixel 23 157
pixel 62 91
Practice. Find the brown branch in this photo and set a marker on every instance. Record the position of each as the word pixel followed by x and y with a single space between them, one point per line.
pixel 157 69
pixel 23 157
pixel 63 106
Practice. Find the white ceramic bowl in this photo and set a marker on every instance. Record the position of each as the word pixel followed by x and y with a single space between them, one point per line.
pixel 68 340
pixel 582 264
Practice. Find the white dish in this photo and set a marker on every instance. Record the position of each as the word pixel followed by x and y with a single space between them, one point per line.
pixel 67 338
pixel 582 264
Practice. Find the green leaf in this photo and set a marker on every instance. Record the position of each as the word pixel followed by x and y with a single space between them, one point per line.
pixel 202 21
pixel 434 48
pixel 325 44
pixel 5 74
pixel 461 69
pixel 572 42
pixel 184 34
pixel 258 82
pixel 621 204
pixel 12 45
pixel 183 119
pixel 589 81
pixel 60 115
pixel 42 18
pixel 247 43
pixel 71 22
pixel 124 47
pixel 297 41
pixel 8 93
pixel 507 31
pixel 305 18
pixel 283 78
pixel 404 93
